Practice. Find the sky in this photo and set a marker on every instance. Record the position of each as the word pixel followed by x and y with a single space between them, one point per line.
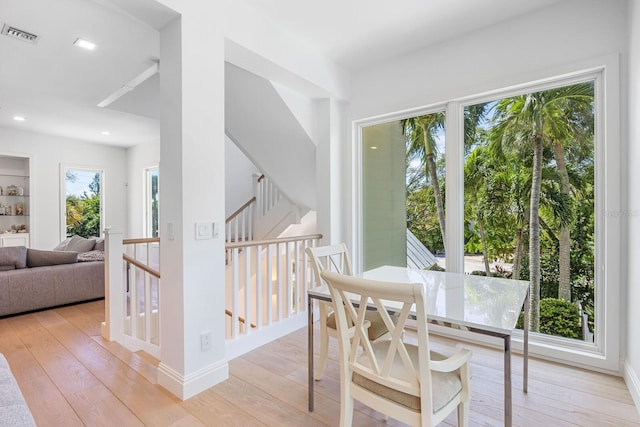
pixel 81 184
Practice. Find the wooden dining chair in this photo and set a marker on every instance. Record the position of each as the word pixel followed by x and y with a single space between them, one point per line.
pixel 404 381
pixel 336 258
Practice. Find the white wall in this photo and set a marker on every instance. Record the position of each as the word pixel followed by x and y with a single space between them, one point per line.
pixel 632 364
pixel 139 158
pixel 513 52
pixel 541 45
pixel 48 153
pixel 238 177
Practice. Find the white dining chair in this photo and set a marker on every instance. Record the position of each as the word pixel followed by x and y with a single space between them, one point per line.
pixel 336 258
pixel 404 381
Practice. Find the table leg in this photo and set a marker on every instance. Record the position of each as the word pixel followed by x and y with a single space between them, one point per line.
pixel 310 349
pixel 525 361
pixel 507 381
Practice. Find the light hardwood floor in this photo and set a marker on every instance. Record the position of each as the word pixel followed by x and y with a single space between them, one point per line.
pixel 70 376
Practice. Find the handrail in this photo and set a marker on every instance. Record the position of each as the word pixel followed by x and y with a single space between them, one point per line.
pixel 141 240
pixel 245 244
pixel 240 318
pixel 237 212
pixel 140 265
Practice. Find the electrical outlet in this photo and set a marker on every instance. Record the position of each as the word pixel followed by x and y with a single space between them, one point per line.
pixel 205 341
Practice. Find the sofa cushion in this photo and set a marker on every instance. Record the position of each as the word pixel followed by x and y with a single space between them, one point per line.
pixel 76 243
pixel 99 246
pixel 39 258
pixel 15 256
pixel 62 245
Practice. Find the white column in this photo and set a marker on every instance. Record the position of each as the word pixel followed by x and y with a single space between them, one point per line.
pixel 329 169
pixel 192 192
pixel 113 326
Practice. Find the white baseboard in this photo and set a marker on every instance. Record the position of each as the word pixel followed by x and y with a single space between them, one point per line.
pixel 188 386
pixel 633 383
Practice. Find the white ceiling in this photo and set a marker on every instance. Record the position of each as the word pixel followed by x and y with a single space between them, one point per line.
pixel 56 85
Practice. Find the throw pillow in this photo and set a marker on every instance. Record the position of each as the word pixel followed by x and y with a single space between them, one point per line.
pixel 15 256
pixel 80 244
pixel 99 246
pixel 39 258
pixel 62 246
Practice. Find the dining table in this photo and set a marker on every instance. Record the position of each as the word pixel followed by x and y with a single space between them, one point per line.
pixel 476 304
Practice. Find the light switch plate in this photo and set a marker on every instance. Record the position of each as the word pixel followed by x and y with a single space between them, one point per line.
pixel 204 230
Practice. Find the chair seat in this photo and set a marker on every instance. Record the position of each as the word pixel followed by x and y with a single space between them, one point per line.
pixel 446 385
pixel 376 329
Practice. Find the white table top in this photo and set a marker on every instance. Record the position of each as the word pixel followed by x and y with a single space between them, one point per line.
pixel 488 302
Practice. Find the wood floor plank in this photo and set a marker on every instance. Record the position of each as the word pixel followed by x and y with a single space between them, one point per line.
pixel 215 411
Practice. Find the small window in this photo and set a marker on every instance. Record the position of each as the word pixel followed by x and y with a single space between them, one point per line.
pixel 152 194
pixel 83 202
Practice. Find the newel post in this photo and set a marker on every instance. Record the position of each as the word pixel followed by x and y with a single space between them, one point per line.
pixel 113 326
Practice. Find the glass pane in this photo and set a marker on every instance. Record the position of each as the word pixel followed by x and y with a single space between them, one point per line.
pixel 82 194
pixel 403 211
pixel 529 201
pixel 425 184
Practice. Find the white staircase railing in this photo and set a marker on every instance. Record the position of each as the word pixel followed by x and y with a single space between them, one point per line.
pixel 240 226
pixel 132 292
pixel 266 285
pixel 267 194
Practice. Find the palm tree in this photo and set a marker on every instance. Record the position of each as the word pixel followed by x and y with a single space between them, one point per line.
pixel 475 187
pixel 421 134
pixel 526 124
pixel 573 111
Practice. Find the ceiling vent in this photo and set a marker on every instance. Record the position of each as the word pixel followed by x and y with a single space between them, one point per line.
pixel 19 34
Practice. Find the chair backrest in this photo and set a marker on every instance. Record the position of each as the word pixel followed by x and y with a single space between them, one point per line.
pixel 388 363
pixel 329 258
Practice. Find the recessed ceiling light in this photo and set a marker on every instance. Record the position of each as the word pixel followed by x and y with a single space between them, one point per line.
pixel 106 132
pixel 18 118
pixel 84 44
pixel 374 147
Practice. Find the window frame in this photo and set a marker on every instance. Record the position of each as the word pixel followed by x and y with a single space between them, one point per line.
pixel 64 167
pixel 604 353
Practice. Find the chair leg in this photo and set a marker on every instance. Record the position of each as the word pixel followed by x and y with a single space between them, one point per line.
pixel 463 414
pixel 324 349
pixel 346 412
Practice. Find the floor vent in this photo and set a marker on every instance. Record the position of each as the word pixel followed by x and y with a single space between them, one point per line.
pixel 19 34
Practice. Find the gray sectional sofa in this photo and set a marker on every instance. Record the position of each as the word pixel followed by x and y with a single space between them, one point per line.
pixel 32 279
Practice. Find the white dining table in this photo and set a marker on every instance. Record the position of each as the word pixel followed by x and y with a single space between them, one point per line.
pixel 476 304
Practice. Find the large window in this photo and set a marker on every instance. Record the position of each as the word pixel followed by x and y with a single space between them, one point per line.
pixel 83 202
pixel 531 194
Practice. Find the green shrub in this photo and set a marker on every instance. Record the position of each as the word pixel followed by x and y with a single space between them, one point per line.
pixel 435 267
pixel 559 317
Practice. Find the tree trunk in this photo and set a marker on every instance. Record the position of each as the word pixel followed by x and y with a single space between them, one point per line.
pixel 564 251
pixel 517 257
pixel 534 236
pixel 485 257
pixel 515 271
pixel 431 166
